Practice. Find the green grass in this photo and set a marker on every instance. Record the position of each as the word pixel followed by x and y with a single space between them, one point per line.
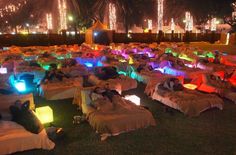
pixel 213 132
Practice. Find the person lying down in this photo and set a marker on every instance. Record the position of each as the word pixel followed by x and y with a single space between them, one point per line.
pixel 53 75
pixel 110 114
pixel 191 102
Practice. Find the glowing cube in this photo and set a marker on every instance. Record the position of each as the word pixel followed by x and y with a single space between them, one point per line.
pixel 46 67
pixel 20 85
pixel 3 70
pixel 44 114
pixel 190 86
pixel 133 98
pixel 88 64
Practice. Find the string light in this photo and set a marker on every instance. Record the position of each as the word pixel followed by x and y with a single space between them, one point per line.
pixel 112 16
pixel 188 21
pixel 160 15
pixel 49 21
pixel 62 14
pixel 172 25
pixel 213 24
pixel 149 24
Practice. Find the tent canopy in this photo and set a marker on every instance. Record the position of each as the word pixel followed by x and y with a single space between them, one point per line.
pixel 98 26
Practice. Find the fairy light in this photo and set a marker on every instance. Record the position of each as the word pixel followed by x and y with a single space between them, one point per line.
pixel 49 21
pixel 213 24
pixel 112 16
pixel 188 21
pixel 160 15
pixel 172 24
pixel 62 14
pixel 149 24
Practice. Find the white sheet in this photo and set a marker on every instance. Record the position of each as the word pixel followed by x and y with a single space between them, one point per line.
pixel 60 90
pixel 14 138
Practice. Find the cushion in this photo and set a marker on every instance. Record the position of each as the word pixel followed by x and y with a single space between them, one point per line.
pixel 26 117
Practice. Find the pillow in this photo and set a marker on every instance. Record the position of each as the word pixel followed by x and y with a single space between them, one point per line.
pixel 25 117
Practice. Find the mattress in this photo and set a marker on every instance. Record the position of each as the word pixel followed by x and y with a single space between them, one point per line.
pixel 122 83
pixel 14 138
pixel 60 90
pixel 119 117
pixel 190 102
pixel 184 72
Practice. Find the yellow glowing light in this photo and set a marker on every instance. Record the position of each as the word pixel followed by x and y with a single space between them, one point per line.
pixel 121 60
pixel 190 86
pixel 131 61
pixel 44 114
pixel 146 30
pixel 227 39
pixel 70 18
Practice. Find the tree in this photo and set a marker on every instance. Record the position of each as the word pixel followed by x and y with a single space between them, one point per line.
pixel 126 11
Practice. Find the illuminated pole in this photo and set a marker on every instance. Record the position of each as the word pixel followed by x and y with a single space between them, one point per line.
pixel 213 24
pixel 188 26
pixel 149 24
pixel 112 16
pixel 188 22
pixel 62 14
pixel 160 15
pixel 172 25
pixel 49 21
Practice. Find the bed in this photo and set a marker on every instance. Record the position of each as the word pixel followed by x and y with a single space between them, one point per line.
pixel 218 86
pixel 14 138
pixel 182 71
pixel 120 84
pixel 110 120
pixel 211 67
pixel 37 72
pixel 189 102
pixel 61 89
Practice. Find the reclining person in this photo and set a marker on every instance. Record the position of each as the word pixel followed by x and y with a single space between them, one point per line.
pixel 54 74
pixel 106 73
pixel 172 84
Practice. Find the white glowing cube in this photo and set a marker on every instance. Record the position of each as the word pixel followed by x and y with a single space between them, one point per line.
pixel 3 70
pixel 44 114
pixel 20 85
pixel 133 98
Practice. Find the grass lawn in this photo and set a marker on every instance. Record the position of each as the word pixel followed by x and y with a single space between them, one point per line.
pixel 231 49
pixel 213 132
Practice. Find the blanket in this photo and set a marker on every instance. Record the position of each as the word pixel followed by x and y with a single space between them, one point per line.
pixel 118 116
pixel 14 138
pixel 190 102
pixel 60 90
